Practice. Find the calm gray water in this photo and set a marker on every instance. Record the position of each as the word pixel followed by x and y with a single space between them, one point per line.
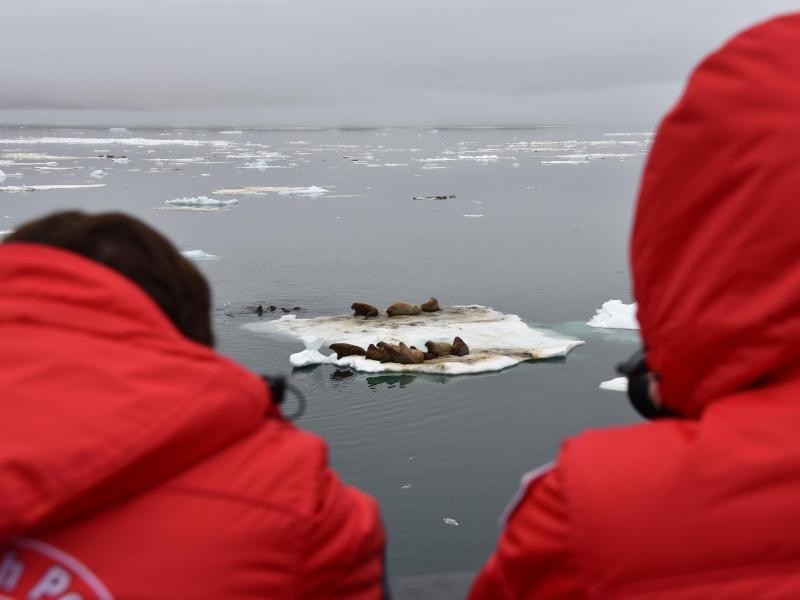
pixel 550 246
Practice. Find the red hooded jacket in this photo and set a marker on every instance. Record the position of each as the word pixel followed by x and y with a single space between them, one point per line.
pixel 705 506
pixel 135 463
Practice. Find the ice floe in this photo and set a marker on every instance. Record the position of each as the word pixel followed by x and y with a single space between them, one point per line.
pixel 37 188
pixel 2 176
pixel 73 141
pixel 118 130
pixel 98 174
pixel 199 255
pixel 614 314
pixel 201 201
pixel 473 216
pixel 496 340
pixel 618 384
pixel 311 191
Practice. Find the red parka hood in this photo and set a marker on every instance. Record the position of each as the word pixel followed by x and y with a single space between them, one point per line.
pixel 716 243
pixel 101 396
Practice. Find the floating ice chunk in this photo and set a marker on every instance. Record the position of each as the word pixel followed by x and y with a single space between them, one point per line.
pixel 122 160
pixel 98 174
pixel 450 521
pixel 36 188
pixel 2 176
pixel 310 191
pixel 615 315
pixel 199 255
pixel 204 201
pixel 618 384
pixel 565 162
pixel 231 132
pixel 405 486
pixel 496 340
pixel 473 216
pixel 118 130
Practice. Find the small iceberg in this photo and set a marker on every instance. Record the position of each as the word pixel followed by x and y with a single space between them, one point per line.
pixel 496 340
pixel 98 174
pixel 199 255
pixel 614 314
pixel 450 521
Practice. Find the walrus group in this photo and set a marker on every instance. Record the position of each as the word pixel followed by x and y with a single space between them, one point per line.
pixel 400 353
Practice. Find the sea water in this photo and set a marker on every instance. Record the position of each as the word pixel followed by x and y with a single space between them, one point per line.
pixel 311 221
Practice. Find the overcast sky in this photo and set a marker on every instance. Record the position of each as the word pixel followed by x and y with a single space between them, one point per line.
pixel 606 63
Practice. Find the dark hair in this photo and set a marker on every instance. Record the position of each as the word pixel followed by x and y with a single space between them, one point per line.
pixel 138 252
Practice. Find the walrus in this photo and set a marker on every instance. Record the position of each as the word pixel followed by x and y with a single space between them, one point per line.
pixel 436 349
pixel 402 308
pixel 375 353
pixel 431 305
pixel 403 354
pixel 460 347
pixel 343 350
pixel 363 310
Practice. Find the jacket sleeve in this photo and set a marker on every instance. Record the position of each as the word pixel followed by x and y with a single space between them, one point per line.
pixel 532 558
pixel 345 545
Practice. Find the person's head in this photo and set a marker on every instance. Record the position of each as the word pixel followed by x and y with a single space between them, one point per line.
pixel 715 250
pixel 138 252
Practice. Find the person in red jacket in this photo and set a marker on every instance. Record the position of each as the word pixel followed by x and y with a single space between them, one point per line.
pixel 703 503
pixel 135 461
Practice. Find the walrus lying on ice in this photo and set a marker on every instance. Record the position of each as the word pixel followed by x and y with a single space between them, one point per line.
pixel 402 354
pixel 343 350
pixel 364 310
pixel 402 308
pixel 431 305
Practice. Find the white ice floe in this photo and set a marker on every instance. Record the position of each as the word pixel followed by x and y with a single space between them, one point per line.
pixel 73 141
pixel 450 521
pixel 199 255
pixel 118 130
pixel 311 191
pixel 37 188
pixel 473 216
pixel 201 201
pixel 614 314
pixel 496 340
pixel 565 162
pixel 618 384
pixel 231 132
pixel 98 174
pixel 2 176
pixel 122 160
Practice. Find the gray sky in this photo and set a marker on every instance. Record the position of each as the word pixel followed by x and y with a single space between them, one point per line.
pixel 609 63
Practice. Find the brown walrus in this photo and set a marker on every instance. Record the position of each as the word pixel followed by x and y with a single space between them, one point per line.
pixel 343 350
pixel 431 305
pixel 375 353
pixel 460 347
pixel 363 310
pixel 402 308
pixel 403 354
pixel 436 349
